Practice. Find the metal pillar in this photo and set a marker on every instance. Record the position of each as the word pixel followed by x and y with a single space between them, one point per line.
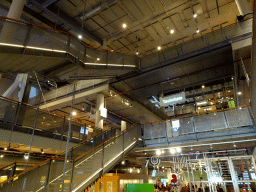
pixel 99 107
pixel 10 28
pixel 123 125
pixel 253 68
pixel 243 7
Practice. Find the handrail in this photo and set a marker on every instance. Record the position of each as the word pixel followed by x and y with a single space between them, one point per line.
pixel 65 32
pixel 199 114
pixel 16 162
pixel 105 142
pixel 53 158
pixel 43 110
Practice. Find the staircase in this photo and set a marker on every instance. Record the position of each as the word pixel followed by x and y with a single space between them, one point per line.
pixel 224 170
pixel 85 166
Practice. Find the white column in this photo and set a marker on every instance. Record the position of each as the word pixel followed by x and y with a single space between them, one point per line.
pixel 243 7
pixel 9 28
pixel 99 106
pixel 123 125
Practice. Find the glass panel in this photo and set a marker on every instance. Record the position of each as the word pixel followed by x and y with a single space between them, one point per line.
pixel 238 117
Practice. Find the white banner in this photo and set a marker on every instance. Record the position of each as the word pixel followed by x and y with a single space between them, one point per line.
pixel 172 99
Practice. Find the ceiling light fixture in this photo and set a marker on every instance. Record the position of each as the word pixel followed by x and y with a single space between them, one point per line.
pixel 1 156
pixel 239 93
pixel 80 36
pixel 26 156
pixel 172 31
pixel 172 150
pixel 124 25
pixel 195 15
pixel 74 113
pixel 178 149
pixel 98 59
pixel 123 162
pixel 197 31
pixel 5 148
pixel 159 48
pixel 158 152
pixel 137 53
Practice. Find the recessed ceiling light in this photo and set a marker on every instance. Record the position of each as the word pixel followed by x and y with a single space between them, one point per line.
pixel 239 93
pixel 158 152
pixel 195 15
pixel 172 31
pixel 98 59
pixel 197 31
pixel 203 86
pixel 137 53
pixel 159 48
pixel 172 150
pixel 178 149
pixel 124 25
pixel 73 113
pixel 80 36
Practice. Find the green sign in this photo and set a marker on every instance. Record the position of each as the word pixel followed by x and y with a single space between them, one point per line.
pixel 139 187
pixel 231 104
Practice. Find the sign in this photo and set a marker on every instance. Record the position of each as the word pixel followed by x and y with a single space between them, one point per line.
pixel 84 131
pixel 231 104
pixel 172 99
pixel 175 125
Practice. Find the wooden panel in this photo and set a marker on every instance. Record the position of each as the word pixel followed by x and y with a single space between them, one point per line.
pixel 118 11
pixel 152 33
pixel 144 7
pixel 198 9
pixel 124 41
pixel 91 25
pixel 157 5
pixel 99 20
pixel 158 27
pixel 178 22
pixel 133 9
pixel 108 15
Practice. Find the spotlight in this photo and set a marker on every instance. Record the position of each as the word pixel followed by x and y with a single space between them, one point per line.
pixel 203 86
pixel 137 53
pixel 80 36
pixel 195 15
pixel 124 25
pixel 172 31
pixel 98 59
pixel 5 148
pixel 26 156
pixel 159 48
pixel 197 31
pixel 138 171
pixel 172 150
pixel 239 93
pixel 162 151
pixel 1 156
pixel 123 162
pixel 178 149
pixel 158 152
pixel 74 113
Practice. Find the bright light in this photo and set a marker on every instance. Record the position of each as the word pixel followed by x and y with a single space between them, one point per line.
pixel 172 31
pixel 130 170
pixel 80 36
pixel 74 113
pixel 123 162
pixel 158 152
pixel 162 151
pixel 124 25
pixel 203 86
pixel 138 171
pixel 195 15
pixel 98 59
pixel 5 148
pixel 26 156
pixel 137 53
pixel 1 156
pixel 197 31
pixel 199 107
pixel 239 93
pixel 159 48
pixel 178 149
pixel 173 151
pixel 234 145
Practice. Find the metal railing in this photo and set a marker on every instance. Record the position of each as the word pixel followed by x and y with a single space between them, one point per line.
pixel 32 38
pixel 231 118
pixel 85 165
pixel 21 117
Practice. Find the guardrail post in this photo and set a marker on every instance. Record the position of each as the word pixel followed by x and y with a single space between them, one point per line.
pixel 12 173
pixel 63 128
pixel 72 173
pixel 34 127
pixel 47 176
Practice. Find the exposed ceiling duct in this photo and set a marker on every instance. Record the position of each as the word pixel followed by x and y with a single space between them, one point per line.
pixel 69 23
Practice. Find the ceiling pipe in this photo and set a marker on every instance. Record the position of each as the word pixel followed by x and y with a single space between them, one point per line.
pixel 97 9
pixel 68 23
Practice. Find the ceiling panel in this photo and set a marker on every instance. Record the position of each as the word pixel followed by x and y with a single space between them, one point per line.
pixel 152 33
pixel 109 15
pixel 117 44
pixel 118 11
pixel 157 5
pixel 99 20
pixel 124 41
pixel 144 7
pixel 158 27
pixel 198 9
pixel 211 4
pixel 188 13
pixel 178 22
pixel 133 9
pixel 91 25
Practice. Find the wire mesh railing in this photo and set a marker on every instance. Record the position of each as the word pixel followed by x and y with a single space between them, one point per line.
pixel 85 165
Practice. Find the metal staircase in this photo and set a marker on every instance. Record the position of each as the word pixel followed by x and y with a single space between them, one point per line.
pixel 85 166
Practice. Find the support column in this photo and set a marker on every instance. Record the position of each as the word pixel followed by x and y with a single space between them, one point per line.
pixel 253 67
pixel 123 125
pixel 145 172
pixel 9 28
pixel 162 107
pixel 243 7
pixel 99 107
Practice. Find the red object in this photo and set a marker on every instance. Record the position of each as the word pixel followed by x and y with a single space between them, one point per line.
pixel 174 178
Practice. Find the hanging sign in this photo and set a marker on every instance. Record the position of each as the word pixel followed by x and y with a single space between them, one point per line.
pixel 172 99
